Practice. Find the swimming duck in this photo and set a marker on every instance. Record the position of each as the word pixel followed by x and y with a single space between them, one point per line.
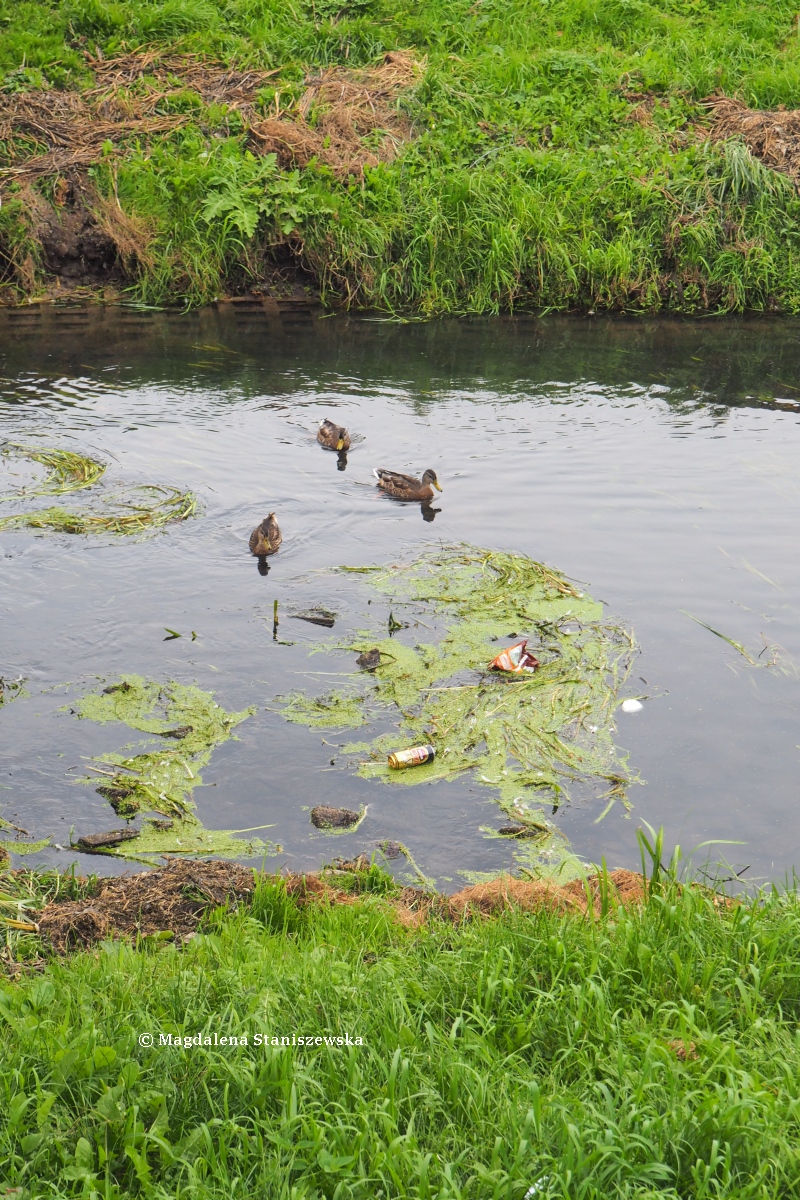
pixel 407 487
pixel 266 537
pixel 333 437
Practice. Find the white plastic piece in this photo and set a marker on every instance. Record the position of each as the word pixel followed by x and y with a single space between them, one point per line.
pixel 631 706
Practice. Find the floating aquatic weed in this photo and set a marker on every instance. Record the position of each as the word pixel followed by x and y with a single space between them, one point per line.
pixel 162 506
pixel 334 710
pixel 11 689
pixel 160 780
pixel 66 470
pixel 529 737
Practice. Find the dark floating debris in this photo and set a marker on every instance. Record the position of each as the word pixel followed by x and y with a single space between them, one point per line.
pixel 162 826
pixel 392 849
pixel 360 863
pixel 369 660
pixel 182 731
pixel 120 798
pixel 95 842
pixel 117 687
pixel 522 831
pixel 334 818
pixel 317 616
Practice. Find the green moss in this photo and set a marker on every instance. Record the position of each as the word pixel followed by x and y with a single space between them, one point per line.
pixel 161 780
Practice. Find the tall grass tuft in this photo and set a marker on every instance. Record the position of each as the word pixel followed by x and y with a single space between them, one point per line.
pixel 647 1052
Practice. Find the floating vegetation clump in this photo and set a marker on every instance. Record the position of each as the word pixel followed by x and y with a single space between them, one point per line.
pixel 160 778
pixel 11 689
pixel 530 737
pixel 66 470
pixel 335 710
pixel 159 506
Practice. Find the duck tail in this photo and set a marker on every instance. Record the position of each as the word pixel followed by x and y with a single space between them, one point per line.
pixel 376 472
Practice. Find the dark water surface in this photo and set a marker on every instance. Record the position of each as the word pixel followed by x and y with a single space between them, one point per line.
pixel 655 461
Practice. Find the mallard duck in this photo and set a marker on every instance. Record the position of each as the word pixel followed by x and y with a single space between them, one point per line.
pixel 406 487
pixel 266 537
pixel 333 437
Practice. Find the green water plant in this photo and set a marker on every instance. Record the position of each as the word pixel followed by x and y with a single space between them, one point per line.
pixel 533 739
pixel 65 470
pixel 134 510
pixel 140 510
pixel 159 778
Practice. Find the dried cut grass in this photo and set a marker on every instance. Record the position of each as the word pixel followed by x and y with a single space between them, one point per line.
pixel 67 132
pixel 156 74
pixel 506 893
pixel 174 898
pixel 131 234
pixel 337 112
pixel 70 130
pixel 771 137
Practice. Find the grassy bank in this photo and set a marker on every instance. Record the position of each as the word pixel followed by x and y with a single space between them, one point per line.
pixel 648 1051
pixel 535 153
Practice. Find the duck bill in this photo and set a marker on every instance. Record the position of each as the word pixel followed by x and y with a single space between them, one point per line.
pixel 437 485
pixel 340 444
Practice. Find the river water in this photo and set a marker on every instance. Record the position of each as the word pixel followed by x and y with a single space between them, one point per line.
pixel 656 461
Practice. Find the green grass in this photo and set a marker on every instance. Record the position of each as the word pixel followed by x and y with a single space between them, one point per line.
pixel 527 184
pixel 495 1055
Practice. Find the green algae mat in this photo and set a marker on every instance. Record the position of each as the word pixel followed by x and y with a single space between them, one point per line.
pixel 534 739
pixel 158 778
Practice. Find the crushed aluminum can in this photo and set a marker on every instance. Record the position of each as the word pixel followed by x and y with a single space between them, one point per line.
pixel 515 659
pixel 411 758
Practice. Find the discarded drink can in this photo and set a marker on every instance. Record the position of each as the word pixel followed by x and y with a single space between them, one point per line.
pixel 411 758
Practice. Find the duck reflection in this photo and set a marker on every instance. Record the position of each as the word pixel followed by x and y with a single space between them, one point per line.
pixel 263 566
pixel 428 513
pixel 341 461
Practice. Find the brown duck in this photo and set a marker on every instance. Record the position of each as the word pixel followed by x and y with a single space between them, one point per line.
pixel 407 487
pixel 333 437
pixel 266 537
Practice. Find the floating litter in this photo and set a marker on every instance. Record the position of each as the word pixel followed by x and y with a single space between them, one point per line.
pixel 515 659
pixel 631 706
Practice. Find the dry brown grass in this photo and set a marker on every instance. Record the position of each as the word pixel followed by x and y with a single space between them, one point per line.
pixel 505 893
pixel 174 898
pixel 66 131
pixel 347 120
pixel 771 137
pixel 154 75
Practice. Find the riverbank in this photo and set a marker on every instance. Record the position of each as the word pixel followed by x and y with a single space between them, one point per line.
pixel 646 1050
pixel 451 157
